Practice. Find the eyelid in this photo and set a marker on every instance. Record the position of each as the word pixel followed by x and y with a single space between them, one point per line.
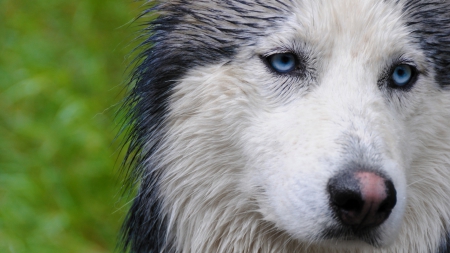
pixel 266 60
pixel 279 50
pixel 395 64
pixel 302 68
pixel 402 60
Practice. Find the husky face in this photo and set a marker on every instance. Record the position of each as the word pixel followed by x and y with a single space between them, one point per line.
pixel 307 135
pixel 339 112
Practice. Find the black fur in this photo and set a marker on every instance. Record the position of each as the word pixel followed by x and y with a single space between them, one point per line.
pixel 186 34
pixel 445 244
pixel 430 24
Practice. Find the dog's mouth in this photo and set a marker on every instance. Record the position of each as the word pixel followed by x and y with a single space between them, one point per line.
pixel 343 234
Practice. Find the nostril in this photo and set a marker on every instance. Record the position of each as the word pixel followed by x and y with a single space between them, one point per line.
pixel 352 205
pixel 346 199
pixel 384 207
pixel 391 198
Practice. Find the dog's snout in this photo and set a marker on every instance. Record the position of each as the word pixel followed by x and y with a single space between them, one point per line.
pixel 361 199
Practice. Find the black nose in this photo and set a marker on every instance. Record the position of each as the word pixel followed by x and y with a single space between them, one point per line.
pixel 361 199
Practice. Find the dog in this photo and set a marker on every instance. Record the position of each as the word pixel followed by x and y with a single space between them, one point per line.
pixel 290 126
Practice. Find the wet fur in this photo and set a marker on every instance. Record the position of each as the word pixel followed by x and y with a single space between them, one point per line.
pixel 203 110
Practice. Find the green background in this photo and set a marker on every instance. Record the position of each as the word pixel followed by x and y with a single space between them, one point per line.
pixel 62 77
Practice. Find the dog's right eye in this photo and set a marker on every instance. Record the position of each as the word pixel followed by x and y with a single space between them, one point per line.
pixel 403 77
pixel 282 63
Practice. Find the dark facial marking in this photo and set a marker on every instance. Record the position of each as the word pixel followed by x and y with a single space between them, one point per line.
pixel 444 246
pixel 185 35
pixel 429 22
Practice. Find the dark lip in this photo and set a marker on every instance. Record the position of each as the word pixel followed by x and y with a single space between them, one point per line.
pixel 340 233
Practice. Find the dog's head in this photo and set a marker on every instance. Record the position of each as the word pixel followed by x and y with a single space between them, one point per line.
pixel 301 117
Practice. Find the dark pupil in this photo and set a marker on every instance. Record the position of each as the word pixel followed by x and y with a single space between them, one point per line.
pixel 400 72
pixel 285 59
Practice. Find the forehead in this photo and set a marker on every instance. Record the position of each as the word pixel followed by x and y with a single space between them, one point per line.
pixel 369 27
pixel 201 32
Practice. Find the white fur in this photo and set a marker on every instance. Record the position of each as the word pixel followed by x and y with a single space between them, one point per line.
pixel 247 166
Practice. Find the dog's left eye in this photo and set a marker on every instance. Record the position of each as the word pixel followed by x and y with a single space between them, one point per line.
pixel 282 63
pixel 403 76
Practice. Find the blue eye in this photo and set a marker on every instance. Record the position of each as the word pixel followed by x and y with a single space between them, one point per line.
pixel 282 63
pixel 402 75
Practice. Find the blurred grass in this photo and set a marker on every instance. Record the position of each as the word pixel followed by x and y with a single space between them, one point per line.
pixel 62 68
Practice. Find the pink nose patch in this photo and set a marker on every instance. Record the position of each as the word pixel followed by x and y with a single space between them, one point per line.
pixel 373 194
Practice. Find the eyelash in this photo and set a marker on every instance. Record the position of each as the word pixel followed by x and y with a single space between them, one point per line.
pixel 298 69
